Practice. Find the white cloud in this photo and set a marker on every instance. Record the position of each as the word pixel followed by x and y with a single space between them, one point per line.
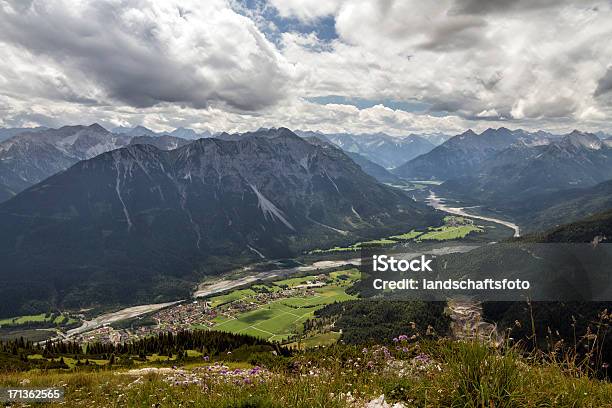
pixel 145 52
pixel 474 63
pixel 538 60
pixel 306 9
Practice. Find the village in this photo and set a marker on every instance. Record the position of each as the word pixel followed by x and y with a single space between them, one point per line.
pixel 203 314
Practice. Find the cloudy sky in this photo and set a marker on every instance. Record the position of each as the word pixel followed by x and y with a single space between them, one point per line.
pixel 397 66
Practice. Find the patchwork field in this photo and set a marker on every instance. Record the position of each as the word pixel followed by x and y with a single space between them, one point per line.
pixel 454 228
pixel 51 318
pixel 281 318
pixel 447 233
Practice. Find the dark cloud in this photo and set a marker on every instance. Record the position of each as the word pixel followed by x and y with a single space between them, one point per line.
pixel 144 59
pixel 604 85
pixel 500 6
pixel 455 34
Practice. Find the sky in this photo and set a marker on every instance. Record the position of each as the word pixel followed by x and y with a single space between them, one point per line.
pixel 358 66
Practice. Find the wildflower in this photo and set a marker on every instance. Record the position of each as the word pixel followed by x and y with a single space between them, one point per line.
pixel 422 358
pixel 403 337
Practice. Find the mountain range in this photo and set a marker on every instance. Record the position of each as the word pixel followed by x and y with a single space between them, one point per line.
pixel 543 185
pixel 464 154
pixel 537 179
pixel 181 132
pixel 382 149
pixel 29 156
pixel 7 133
pixel 156 221
pixel 575 160
pixel 163 142
pixel 32 156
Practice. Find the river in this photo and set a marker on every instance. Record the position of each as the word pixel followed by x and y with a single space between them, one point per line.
pixel 438 203
pixel 222 285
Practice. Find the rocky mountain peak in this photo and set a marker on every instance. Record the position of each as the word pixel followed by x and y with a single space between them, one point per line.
pixel 98 128
pixel 582 140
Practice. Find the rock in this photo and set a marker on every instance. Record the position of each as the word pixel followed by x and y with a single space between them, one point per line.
pixel 381 403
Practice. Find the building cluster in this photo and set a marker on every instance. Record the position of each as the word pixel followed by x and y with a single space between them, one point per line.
pixel 197 314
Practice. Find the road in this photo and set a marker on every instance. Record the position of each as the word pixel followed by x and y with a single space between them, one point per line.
pixel 208 289
pixel 222 285
pixel 438 204
pixel 123 314
pixel 203 290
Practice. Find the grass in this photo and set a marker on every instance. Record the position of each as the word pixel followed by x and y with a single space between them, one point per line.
pixel 231 297
pixel 282 318
pixel 356 247
pixel 25 319
pixel 349 274
pixel 447 233
pixel 455 228
pixel 482 379
pixel 407 236
pixel 295 281
pixel 38 318
pixel 376 242
pixel 319 340
pixel 429 374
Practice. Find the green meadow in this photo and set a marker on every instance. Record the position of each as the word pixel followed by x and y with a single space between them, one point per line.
pixel 454 228
pixel 283 318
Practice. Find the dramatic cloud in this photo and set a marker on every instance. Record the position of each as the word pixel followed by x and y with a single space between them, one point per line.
pixel 236 65
pixel 145 52
pixel 604 85
pixel 512 60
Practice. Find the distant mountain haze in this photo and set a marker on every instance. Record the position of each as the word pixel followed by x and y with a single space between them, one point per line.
pixel 163 142
pixel 7 133
pixel 29 156
pixel 375 170
pixel 181 132
pixel 32 156
pixel 464 154
pixel 384 150
pixel 134 131
pixel 575 160
pixel 35 154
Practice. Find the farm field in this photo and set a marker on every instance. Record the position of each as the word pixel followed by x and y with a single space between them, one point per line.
pixel 38 318
pixel 24 319
pixel 454 228
pixel 232 296
pixel 447 233
pixel 283 318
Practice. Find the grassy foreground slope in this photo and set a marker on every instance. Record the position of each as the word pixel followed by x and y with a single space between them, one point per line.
pixel 428 373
